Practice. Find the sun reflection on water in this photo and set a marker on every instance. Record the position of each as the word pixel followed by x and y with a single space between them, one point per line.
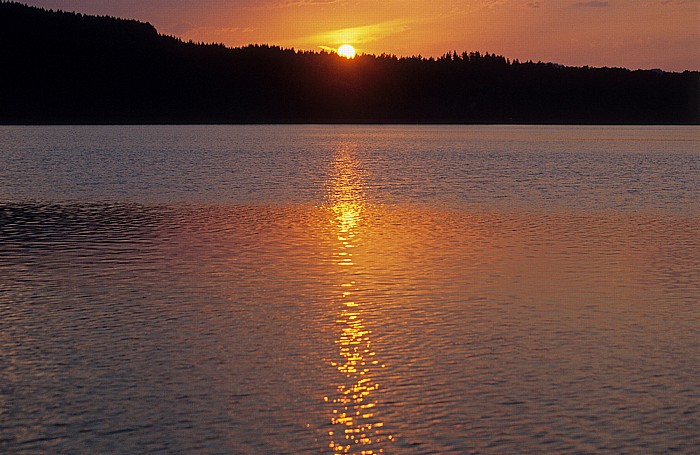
pixel 356 426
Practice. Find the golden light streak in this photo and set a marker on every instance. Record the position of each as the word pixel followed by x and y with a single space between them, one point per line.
pixel 354 411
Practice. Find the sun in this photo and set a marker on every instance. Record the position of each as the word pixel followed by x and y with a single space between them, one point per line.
pixel 347 51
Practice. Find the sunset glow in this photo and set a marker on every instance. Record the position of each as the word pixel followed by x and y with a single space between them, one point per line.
pixel 622 33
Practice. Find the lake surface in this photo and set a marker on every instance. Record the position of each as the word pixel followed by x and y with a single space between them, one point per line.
pixel 349 289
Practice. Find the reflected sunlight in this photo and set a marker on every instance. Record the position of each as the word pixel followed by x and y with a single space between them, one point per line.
pixel 354 413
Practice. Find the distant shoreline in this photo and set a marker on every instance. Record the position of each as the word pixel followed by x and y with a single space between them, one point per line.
pixel 68 68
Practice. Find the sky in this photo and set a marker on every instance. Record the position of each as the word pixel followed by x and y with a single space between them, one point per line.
pixel 616 33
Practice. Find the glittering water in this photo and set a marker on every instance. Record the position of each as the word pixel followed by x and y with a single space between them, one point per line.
pixel 330 289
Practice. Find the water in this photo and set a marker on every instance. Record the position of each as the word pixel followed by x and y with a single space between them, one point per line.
pixel 331 289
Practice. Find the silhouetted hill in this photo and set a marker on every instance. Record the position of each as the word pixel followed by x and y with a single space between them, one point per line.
pixel 70 68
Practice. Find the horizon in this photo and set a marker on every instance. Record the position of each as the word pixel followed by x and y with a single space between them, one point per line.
pixel 649 42
pixel 272 84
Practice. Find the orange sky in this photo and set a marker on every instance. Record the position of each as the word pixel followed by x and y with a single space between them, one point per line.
pixel 628 33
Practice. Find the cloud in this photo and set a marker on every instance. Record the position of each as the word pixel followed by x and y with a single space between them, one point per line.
pixel 466 8
pixel 593 4
pixel 277 4
pixel 307 2
pixel 209 34
pixel 359 35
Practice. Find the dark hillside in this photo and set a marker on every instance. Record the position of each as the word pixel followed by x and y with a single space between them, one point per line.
pixel 69 68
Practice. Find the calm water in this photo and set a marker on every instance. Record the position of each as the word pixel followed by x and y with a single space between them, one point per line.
pixel 290 289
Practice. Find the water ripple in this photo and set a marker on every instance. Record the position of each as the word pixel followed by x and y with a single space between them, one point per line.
pixel 414 290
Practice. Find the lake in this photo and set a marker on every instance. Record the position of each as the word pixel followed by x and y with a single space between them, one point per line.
pixel 349 289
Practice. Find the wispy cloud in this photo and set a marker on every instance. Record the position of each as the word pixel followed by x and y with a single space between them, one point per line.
pixel 358 35
pixel 461 7
pixel 286 3
pixel 278 4
pixel 674 2
pixel 210 34
pixel 593 4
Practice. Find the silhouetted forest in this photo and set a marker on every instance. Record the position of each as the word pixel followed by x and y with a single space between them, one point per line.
pixel 62 67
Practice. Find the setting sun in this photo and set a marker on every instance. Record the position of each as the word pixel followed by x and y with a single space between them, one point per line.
pixel 346 51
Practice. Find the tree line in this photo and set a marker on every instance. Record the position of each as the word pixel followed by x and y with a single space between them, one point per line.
pixel 61 67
